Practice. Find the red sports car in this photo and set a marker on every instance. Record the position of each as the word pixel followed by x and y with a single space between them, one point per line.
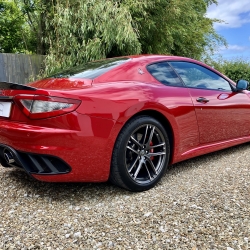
pixel 122 119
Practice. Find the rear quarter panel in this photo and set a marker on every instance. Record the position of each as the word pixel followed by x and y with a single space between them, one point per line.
pixel 120 101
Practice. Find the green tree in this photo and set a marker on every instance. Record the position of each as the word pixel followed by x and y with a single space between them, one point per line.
pixel 22 25
pixel 235 69
pixel 36 12
pixel 87 30
pixel 83 30
pixel 11 28
pixel 72 32
pixel 175 27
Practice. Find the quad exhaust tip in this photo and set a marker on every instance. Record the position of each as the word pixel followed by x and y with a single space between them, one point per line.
pixel 8 156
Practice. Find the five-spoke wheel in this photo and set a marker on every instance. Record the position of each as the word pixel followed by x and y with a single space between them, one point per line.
pixel 141 154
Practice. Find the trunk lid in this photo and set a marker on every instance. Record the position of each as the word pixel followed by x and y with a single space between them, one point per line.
pixel 63 84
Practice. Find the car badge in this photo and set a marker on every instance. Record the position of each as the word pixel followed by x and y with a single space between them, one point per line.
pixel 140 71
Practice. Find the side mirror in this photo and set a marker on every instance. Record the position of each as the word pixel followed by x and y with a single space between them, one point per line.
pixel 242 85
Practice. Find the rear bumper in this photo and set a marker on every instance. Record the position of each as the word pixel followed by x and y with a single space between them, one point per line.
pixel 60 155
pixel 32 163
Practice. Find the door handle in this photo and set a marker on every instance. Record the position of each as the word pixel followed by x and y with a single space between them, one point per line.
pixel 202 99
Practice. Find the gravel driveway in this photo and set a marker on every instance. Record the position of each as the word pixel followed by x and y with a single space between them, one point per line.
pixel 202 203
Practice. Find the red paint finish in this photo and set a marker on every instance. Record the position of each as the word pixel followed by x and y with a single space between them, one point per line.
pixel 79 146
pixel 85 137
pixel 226 115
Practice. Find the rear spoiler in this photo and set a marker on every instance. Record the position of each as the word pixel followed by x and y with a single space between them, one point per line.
pixel 16 86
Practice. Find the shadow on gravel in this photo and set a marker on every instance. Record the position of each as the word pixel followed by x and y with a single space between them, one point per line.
pixel 62 192
pixel 75 192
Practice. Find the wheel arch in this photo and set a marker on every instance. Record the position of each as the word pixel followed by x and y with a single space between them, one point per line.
pixel 119 174
pixel 164 121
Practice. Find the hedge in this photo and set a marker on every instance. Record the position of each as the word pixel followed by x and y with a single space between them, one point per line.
pixel 235 69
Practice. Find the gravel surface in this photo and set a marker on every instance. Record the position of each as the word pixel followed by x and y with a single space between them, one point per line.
pixel 202 203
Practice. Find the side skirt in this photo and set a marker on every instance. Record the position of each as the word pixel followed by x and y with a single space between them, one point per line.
pixel 209 148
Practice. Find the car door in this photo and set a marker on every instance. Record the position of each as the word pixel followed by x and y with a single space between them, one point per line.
pixel 222 113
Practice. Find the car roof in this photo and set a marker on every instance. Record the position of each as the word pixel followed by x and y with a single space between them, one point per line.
pixel 146 59
pixel 158 57
pixel 140 62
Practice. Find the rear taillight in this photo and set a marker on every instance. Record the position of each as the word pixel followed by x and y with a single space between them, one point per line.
pixel 40 107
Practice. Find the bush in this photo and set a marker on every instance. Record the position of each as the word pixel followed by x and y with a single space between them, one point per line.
pixel 235 69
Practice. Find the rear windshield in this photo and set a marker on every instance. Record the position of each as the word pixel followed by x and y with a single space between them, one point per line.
pixel 91 70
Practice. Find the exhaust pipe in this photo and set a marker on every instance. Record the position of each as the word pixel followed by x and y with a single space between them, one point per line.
pixel 8 156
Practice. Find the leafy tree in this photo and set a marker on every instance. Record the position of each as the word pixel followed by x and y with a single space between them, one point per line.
pixel 11 28
pixel 72 32
pixel 235 69
pixel 22 25
pixel 89 30
pixel 175 27
pixel 19 26
pixel 35 12
pixel 83 30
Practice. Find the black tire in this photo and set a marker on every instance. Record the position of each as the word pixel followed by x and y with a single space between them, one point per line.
pixel 141 154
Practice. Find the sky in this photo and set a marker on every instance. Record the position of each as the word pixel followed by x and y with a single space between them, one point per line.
pixel 235 28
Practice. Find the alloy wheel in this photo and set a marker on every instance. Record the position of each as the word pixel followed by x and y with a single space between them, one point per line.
pixel 145 153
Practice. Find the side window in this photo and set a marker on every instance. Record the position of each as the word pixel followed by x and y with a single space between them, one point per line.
pixel 163 72
pixel 196 76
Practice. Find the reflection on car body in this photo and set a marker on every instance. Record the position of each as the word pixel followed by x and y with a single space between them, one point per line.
pixel 121 119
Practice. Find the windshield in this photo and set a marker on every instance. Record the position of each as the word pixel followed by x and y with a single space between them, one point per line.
pixel 91 70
